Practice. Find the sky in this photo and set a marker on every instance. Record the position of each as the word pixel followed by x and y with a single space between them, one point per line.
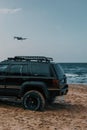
pixel 54 28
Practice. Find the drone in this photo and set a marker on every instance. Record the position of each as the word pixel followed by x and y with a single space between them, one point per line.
pixel 20 38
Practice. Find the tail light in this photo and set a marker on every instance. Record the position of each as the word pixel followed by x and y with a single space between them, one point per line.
pixel 55 82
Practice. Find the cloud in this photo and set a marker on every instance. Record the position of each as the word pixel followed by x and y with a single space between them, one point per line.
pixel 9 11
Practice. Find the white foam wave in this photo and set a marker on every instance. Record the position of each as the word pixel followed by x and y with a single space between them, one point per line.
pixel 72 75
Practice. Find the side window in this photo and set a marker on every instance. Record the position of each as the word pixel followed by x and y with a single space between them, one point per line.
pixel 15 70
pixel 40 69
pixel 24 70
pixel 3 69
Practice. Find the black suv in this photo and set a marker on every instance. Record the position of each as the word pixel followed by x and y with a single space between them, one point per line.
pixel 35 80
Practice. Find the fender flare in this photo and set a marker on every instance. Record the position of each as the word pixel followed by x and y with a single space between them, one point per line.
pixel 35 85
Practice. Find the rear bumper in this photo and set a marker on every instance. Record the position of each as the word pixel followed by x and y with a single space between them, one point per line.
pixel 63 91
pixel 59 92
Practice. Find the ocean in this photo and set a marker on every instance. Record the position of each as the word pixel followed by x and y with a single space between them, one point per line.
pixel 76 72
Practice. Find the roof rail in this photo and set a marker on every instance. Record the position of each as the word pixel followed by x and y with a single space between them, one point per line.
pixel 32 58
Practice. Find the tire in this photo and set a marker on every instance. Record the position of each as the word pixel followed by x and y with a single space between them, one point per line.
pixel 33 100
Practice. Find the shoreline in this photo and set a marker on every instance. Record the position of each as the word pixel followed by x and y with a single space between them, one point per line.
pixel 67 114
pixel 80 84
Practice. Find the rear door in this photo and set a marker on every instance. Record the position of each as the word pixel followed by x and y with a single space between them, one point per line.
pixel 13 79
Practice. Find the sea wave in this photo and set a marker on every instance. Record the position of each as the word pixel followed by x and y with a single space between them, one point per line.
pixel 75 72
pixel 71 75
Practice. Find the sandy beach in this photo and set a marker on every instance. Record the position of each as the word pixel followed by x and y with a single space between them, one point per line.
pixel 67 114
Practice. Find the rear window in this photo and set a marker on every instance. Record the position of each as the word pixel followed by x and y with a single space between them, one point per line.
pixel 59 71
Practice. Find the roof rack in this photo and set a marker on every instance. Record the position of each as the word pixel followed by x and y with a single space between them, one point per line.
pixel 32 58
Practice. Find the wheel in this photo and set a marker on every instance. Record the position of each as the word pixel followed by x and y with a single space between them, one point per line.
pixel 33 100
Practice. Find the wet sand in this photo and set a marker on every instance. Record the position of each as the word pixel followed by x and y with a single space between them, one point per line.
pixel 67 114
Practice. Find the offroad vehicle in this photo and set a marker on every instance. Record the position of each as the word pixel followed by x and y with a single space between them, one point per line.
pixel 35 80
